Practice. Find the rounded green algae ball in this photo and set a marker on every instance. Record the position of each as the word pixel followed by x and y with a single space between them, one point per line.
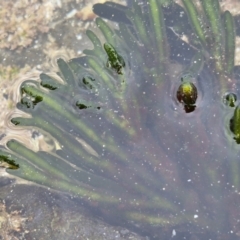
pixel 187 93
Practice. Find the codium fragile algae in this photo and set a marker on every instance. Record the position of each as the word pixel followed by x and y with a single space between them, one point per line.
pixel 187 94
pixel 122 149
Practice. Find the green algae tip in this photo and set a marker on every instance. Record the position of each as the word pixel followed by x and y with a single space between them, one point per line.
pixel 235 124
pixel 115 61
pixel 187 93
pixel 88 82
pixel 8 163
pixel 82 104
pixel 229 99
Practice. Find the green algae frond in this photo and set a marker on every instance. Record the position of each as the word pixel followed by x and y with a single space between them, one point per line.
pixel 120 149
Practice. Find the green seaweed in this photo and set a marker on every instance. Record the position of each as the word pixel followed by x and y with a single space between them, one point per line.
pixel 120 148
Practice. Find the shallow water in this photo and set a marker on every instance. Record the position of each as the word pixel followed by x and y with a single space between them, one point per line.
pixel 133 155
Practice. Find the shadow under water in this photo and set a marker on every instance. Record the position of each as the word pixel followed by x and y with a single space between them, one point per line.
pixel 146 124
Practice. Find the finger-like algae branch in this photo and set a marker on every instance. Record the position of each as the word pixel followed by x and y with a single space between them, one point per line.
pixel 120 149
